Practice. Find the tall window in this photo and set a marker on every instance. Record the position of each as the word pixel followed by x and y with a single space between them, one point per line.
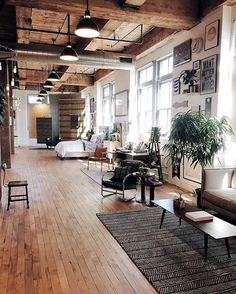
pixel 164 93
pixel 108 92
pixel 145 99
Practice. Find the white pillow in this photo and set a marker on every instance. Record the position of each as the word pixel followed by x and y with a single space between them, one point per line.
pixel 233 181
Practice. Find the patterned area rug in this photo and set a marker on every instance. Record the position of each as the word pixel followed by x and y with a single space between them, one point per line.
pixel 172 258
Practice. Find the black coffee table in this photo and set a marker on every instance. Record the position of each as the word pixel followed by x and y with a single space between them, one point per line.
pixel 216 228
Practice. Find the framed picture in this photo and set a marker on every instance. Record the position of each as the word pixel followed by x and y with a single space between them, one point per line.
pixel 197 64
pixel 212 35
pixel 208 74
pixel 176 86
pixel 91 105
pixel 121 103
pixel 182 53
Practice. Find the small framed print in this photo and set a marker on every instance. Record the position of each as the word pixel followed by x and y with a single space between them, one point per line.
pixel 197 64
pixel 182 53
pixel 176 86
pixel 212 35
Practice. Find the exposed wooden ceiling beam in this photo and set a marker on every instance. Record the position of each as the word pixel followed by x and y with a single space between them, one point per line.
pixel 79 80
pixel 149 40
pixel 134 2
pixel 181 14
pixel 101 73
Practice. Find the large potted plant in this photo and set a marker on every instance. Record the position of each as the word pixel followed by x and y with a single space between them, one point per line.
pixel 197 138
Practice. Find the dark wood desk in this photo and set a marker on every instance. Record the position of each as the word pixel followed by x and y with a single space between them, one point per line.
pixel 217 228
pixel 144 157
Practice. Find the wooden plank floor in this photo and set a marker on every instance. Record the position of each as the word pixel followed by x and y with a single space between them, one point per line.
pixel 59 245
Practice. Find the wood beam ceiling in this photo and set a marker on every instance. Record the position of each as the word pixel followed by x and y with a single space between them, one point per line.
pixel 181 14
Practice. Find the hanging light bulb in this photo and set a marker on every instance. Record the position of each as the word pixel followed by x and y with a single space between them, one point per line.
pixel 12 82
pixel 7 85
pixel 43 92
pixel 48 85
pixel 14 69
pixel 86 27
pixel 0 65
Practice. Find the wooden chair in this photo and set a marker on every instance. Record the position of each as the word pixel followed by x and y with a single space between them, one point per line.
pixel 100 155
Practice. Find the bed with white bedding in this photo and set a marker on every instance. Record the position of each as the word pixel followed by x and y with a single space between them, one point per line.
pixel 78 148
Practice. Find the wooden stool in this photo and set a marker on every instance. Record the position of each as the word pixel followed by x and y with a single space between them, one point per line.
pixel 17 197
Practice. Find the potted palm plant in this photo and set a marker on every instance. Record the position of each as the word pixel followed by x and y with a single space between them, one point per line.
pixel 197 138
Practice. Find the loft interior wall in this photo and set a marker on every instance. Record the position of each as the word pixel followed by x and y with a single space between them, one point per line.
pixel 34 111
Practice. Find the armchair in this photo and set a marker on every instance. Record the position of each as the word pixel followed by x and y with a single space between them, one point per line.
pixel 50 142
pixel 100 155
pixel 121 179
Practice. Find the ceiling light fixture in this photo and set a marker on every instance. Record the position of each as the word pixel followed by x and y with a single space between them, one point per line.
pixel 69 53
pixel 43 92
pixel 53 77
pixel 48 85
pixel 87 28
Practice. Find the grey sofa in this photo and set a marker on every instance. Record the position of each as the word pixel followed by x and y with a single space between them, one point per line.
pixel 219 191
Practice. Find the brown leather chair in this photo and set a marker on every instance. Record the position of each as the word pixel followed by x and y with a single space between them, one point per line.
pixel 100 155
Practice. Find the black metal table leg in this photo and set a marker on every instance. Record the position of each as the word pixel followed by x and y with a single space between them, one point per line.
pixel 162 217
pixel 143 197
pixel 227 246
pixel 205 245
pixel 150 203
pixel 179 221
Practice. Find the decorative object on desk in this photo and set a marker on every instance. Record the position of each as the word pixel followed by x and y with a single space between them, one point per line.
pixel 208 75
pixel 197 138
pixel 182 53
pixel 212 35
pixel 143 170
pixel 129 145
pixel 199 216
pixel 174 253
pixel 121 103
pixel 176 86
pixel 179 202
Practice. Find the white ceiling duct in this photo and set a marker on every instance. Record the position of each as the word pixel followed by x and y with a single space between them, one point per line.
pixel 50 54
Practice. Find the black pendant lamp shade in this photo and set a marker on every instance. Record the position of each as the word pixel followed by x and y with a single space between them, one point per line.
pixel 43 92
pixel 53 77
pixel 48 85
pixel 69 53
pixel 86 27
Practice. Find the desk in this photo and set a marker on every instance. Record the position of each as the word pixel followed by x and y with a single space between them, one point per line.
pixel 144 157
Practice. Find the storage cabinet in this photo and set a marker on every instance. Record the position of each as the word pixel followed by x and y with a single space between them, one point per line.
pixel 44 128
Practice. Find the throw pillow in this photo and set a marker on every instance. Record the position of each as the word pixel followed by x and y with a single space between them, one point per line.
pixel 233 181
pixel 120 173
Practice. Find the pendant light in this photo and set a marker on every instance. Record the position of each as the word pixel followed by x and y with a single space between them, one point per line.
pixel 48 85
pixel 7 85
pixel 86 27
pixel 43 92
pixel 12 75
pixel 53 77
pixel 69 53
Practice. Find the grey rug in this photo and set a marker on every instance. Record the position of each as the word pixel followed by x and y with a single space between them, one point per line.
pixel 94 174
pixel 172 258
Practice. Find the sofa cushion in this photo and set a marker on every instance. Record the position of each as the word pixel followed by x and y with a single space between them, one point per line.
pixel 224 198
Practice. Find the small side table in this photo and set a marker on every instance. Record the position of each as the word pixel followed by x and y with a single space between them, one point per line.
pixel 144 178
pixel 152 184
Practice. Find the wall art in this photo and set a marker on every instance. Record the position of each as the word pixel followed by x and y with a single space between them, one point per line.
pixel 212 35
pixel 208 74
pixel 182 53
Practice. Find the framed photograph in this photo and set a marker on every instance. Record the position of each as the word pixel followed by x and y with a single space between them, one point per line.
pixel 182 53
pixel 91 105
pixel 176 86
pixel 121 103
pixel 208 74
pixel 212 35
pixel 197 64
